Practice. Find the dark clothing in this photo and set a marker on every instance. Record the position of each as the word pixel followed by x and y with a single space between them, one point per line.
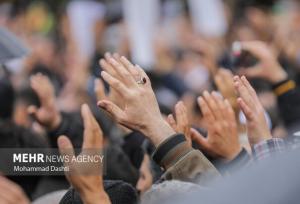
pixel 288 103
pixel 118 164
pixel 14 136
pixel 118 192
pixel 72 126
pixel 240 161
pixel 184 163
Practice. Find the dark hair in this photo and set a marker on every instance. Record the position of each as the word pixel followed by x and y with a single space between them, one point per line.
pixel 7 96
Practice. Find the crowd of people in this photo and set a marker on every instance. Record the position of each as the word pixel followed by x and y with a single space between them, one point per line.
pixel 184 113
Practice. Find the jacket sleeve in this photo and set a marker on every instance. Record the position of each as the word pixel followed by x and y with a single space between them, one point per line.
pixel 71 126
pixel 288 98
pixel 182 162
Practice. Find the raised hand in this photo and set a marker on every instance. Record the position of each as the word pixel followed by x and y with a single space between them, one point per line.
pixel 223 80
pixel 268 67
pixel 113 95
pixel 47 114
pixel 86 178
pixel 180 122
pixel 140 110
pixel 249 103
pixel 11 193
pixel 222 140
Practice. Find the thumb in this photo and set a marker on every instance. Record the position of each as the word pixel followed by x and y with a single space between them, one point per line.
pixel 172 122
pixel 32 110
pixel 251 72
pixel 99 90
pixel 199 138
pixel 65 149
pixel 114 111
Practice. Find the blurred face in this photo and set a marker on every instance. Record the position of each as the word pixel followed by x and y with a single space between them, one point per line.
pixel 259 19
pixel 21 115
pixel 146 179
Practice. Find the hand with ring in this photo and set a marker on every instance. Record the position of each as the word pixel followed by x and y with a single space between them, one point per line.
pixel 140 110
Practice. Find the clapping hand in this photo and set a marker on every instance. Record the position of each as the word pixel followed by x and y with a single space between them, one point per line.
pixel 11 193
pixel 86 178
pixel 249 103
pixel 223 80
pixel 47 114
pixel 222 140
pixel 268 67
pixel 180 122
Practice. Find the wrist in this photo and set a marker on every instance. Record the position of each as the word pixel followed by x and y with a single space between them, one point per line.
pixel 231 155
pixel 278 76
pixel 55 122
pixel 256 140
pixel 158 131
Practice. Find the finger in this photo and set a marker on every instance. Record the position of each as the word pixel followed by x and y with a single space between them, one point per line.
pixel 220 104
pixel 122 73
pixel 199 139
pixel 66 149
pixel 92 135
pixel 114 111
pixel 181 116
pixel 184 121
pixel 245 108
pixel 254 71
pixel 114 83
pixel 249 87
pixel 255 48
pixel 143 74
pixel 6 197
pixel 231 116
pixel 99 89
pixel 219 81
pixel 117 57
pixel 212 105
pixel 130 67
pixel 107 67
pixel 32 110
pixel 44 89
pixel 10 191
pixel 229 111
pixel 243 91
pixel 207 114
pixel 172 122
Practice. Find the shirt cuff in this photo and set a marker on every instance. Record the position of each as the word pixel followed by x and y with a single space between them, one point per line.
pixel 171 150
pixel 266 148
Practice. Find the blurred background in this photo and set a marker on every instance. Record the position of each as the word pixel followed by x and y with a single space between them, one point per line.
pixel 180 43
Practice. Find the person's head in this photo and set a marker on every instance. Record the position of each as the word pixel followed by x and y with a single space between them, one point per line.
pixel 119 192
pixel 24 98
pixel 146 179
pixel 7 96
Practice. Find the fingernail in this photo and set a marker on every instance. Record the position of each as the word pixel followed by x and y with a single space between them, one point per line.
pixel 200 99
pixel 102 61
pixel 205 94
pixel 214 93
pixel 227 102
pixel 103 74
